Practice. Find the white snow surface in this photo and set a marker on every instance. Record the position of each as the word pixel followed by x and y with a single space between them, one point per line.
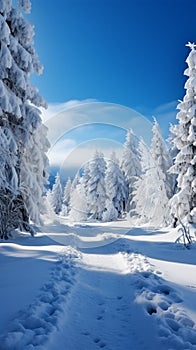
pixel 97 286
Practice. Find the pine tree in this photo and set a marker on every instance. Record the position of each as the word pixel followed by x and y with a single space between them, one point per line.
pixel 162 159
pixel 164 185
pixel 143 186
pixel 116 186
pixel 55 196
pixel 32 180
pixel 183 204
pixel 84 180
pixel 96 186
pixel 111 214
pixel 66 197
pixel 131 165
pixel 78 204
pixel 153 188
pixel 75 181
pixel 19 115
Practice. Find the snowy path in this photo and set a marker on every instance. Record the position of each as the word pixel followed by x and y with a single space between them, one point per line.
pixel 116 289
pixel 101 312
pixel 122 302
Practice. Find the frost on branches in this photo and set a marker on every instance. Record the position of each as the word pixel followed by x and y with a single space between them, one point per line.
pixel 23 149
pixel 183 204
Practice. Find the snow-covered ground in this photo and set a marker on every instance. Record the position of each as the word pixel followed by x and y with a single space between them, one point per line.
pixel 97 286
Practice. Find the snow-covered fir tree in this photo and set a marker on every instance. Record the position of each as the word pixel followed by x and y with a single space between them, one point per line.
pixel 183 204
pixel 8 181
pixel 66 197
pixel 153 188
pixel 84 180
pixel 75 181
pixel 131 165
pixel 116 187
pixel 143 186
pixel 96 186
pixel 19 115
pixel 162 159
pixel 32 179
pixel 55 196
pixel 164 185
pixel 78 204
pixel 110 214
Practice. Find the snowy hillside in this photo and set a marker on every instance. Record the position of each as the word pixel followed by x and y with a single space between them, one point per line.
pixel 94 286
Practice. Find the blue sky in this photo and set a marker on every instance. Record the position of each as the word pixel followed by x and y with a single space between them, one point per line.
pixel 127 52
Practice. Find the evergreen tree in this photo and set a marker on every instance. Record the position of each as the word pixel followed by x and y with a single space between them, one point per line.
pixel 32 180
pixel 144 186
pixel 66 197
pixel 183 204
pixel 154 186
pixel 116 186
pixel 19 115
pixel 75 181
pixel 84 180
pixel 78 204
pixel 131 165
pixel 96 186
pixel 55 196
pixel 111 214
pixel 162 159
pixel 164 185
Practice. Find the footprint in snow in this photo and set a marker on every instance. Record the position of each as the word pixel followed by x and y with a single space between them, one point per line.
pixel 85 333
pixel 97 340
pixel 99 318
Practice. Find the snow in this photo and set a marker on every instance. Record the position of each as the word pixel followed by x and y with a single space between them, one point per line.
pixel 97 286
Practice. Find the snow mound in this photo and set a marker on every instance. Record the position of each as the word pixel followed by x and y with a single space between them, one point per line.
pixel 32 327
pixel 176 329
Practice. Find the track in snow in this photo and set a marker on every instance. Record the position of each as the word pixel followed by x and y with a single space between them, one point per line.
pixel 105 297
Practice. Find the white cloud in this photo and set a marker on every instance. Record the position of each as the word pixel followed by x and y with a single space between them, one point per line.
pixel 56 108
pixel 60 151
pixel 61 118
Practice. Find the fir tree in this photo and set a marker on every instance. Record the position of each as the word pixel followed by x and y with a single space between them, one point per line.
pixel 78 204
pixel 153 188
pixel 143 186
pixel 55 196
pixel 96 186
pixel 131 165
pixel 66 197
pixel 116 186
pixel 19 116
pixel 162 159
pixel 183 204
